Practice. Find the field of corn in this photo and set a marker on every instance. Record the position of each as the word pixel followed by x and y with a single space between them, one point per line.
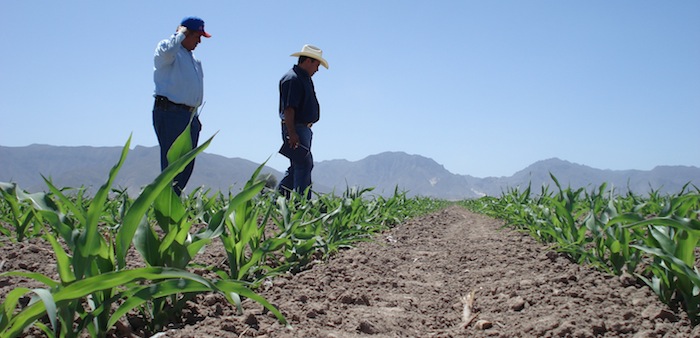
pixel 263 235
pixel 652 238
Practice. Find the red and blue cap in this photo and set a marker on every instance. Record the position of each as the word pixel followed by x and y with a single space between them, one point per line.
pixel 195 24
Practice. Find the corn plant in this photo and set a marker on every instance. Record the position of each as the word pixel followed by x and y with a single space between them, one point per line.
pixel 175 248
pixel 92 256
pixel 672 239
pixel 297 222
pixel 21 211
pixel 96 286
pixel 162 282
pixel 94 278
pixel 178 246
pixel 617 234
pixel 243 239
pixel 564 220
pixel 350 219
pixel 200 204
pixel 398 208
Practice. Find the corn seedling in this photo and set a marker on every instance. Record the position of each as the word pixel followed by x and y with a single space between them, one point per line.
pixel 263 234
pixel 243 238
pixel 94 277
pixel 20 211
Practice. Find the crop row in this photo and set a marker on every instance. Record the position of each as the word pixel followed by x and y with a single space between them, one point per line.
pixel 262 233
pixel 654 238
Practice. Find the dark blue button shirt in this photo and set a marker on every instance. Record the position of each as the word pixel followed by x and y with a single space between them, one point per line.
pixel 297 91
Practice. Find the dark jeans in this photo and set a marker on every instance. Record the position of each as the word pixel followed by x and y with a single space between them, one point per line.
pixel 169 121
pixel 301 162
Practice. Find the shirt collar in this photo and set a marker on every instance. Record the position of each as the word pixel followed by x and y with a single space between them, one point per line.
pixel 301 71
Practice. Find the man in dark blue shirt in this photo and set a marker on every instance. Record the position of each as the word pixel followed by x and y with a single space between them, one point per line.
pixel 299 110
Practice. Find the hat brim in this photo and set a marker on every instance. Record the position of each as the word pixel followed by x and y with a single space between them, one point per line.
pixel 205 34
pixel 313 56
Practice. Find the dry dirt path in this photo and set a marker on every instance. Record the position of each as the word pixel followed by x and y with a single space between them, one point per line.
pixel 411 281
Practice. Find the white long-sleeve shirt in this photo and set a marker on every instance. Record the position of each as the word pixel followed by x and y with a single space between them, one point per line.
pixel 177 73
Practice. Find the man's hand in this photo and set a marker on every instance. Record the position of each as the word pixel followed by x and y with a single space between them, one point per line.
pixel 293 140
pixel 182 29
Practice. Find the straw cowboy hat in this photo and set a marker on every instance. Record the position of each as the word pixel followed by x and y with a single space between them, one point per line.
pixel 312 52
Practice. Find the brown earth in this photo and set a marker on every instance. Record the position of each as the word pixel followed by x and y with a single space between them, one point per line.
pixel 415 281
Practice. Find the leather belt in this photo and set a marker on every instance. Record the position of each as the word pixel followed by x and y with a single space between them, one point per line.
pixel 308 125
pixel 163 99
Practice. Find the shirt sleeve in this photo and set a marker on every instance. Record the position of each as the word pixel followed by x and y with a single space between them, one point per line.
pixel 167 50
pixel 291 94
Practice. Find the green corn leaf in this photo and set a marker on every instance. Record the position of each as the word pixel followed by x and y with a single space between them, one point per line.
pixel 254 178
pixel 149 194
pixel 54 218
pixel 615 247
pixel 246 194
pixel 627 219
pixel 64 201
pixel 685 247
pixel 47 331
pixel 654 283
pixel 83 288
pixel 230 287
pixel 183 235
pixel 146 243
pixel 167 242
pixel 182 144
pixel 686 238
pixel 10 303
pixel 253 261
pixel 92 242
pixel 63 261
pixel 32 275
pixel 215 227
pixel 154 291
pixel 39 200
pixel 681 268
pixel 168 209
pixel 179 255
pixel 196 246
pixel 274 244
pixel 50 305
pixel 673 222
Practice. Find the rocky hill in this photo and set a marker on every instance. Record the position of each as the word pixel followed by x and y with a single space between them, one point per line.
pixel 417 175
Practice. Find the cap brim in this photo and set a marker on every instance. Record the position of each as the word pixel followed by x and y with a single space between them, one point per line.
pixel 313 56
pixel 205 34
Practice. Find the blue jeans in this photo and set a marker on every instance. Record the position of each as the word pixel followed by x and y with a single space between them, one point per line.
pixel 169 121
pixel 301 162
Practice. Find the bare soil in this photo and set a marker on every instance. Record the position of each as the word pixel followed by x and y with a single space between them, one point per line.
pixel 449 274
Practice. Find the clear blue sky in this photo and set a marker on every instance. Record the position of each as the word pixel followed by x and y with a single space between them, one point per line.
pixel 484 88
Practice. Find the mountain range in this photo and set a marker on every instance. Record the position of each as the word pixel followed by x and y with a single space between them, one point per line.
pixel 417 175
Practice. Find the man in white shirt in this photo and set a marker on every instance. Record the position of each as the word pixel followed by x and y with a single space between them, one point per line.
pixel 179 91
